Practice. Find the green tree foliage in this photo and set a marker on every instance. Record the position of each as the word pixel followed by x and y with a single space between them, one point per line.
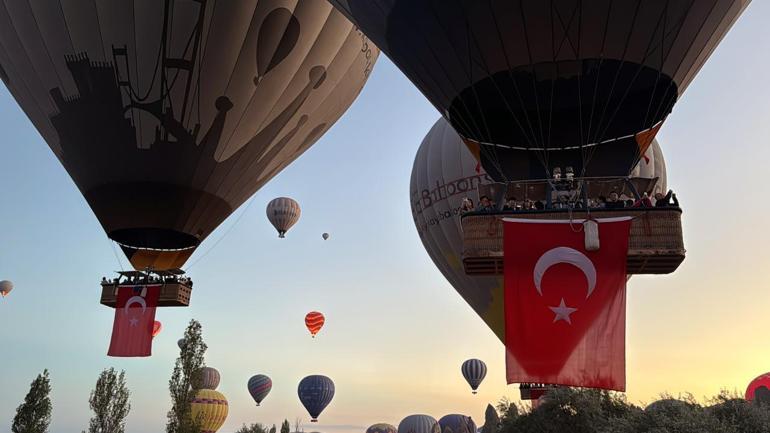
pixel 34 414
pixel 491 420
pixel 110 403
pixel 184 381
pixel 254 428
pixel 285 426
pixel 593 411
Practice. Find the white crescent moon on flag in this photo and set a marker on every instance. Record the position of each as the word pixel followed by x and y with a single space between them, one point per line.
pixel 565 255
pixel 135 300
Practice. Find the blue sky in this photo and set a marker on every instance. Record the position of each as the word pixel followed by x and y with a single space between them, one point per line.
pixel 396 332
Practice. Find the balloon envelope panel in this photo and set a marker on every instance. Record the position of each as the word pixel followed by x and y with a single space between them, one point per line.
pixel 382 428
pixel 259 387
pixel 553 75
pixel 419 424
pixel 315 392
pixel 169 115
pixel 759 388
pixel 456 423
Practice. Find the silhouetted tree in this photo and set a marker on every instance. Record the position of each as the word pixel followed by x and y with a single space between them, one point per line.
pixel 109 401
pixel 34 414
pixel 184 381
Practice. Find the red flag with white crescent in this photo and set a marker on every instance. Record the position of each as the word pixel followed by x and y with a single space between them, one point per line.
pixel 134 321
pixel 565 307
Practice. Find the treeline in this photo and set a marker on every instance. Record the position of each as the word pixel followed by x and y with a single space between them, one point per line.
pixel 592 411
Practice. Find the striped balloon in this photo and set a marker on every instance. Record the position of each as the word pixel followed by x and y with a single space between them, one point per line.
pixel 382 428
pixel 474 371
pixel 283 212
pixel 259 387
pixel 418 424
pixel 314 322
pixel 315 392
pixel 210 408
pixel 209 377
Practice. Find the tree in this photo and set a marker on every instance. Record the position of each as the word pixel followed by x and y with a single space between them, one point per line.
pixel 110 402
pixel 285 427
pixel 272 429
pixel 491 420
pixel 297 423
pixel 254 428
pixel 185 380
pixel 34 414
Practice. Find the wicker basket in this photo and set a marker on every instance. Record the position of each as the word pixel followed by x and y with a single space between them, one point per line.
pixel 655 245
pixel 171 295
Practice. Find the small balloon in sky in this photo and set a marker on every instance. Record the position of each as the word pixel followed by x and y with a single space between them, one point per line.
pixel 325 236
pixel 5 288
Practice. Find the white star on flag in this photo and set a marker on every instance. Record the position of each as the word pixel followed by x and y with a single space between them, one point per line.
pixel 562 312
pixel 134 321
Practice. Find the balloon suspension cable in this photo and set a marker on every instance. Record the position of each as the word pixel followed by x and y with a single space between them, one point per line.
pixel 115 252
pixel 229 229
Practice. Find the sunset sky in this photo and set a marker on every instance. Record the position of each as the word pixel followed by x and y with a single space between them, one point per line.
pixel 396 331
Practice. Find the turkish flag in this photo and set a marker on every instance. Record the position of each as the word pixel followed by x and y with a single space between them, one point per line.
pixel 565 307
pixel 134 321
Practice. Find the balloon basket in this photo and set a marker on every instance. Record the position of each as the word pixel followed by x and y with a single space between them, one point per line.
pixel 314 420
pixel 474 393
pixel 172 294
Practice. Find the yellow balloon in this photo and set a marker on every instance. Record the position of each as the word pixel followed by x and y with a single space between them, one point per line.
pixel 209 407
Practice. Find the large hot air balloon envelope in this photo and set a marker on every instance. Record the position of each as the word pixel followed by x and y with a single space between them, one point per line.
pixel 315 392
pixel 456 423
pixel 314 321
pixel 210 408
pixel 759 389
pixel 283 213
pixel 534 84
pixel 382 428
pixel 259 387
pixel 444 173
pixel 168 115
pixel 474 371
pixel 209 377
pixel 419 424
pixel 5 288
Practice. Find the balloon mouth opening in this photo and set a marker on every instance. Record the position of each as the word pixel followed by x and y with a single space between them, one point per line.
pixel 154 239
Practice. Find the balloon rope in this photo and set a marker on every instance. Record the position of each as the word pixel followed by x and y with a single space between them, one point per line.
pixel 229 229
pixel 114 251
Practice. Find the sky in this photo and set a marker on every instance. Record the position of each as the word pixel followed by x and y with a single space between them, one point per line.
pixel 396 331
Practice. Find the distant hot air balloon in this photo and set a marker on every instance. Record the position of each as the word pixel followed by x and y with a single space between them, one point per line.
pixel 382 428
pixel 156 328
pixel 314 322
pixel 315 392
pixel 474 371
pixel 759 389
pixel 208 378
pixel 180 343
pixel 5 288
pixel 456 423
pixel 210 408
pixel 283 213
pixel 532 84
pixel 170 115
pixel 259 387
pixel 419 424
pixel 325 236
pixel 444 173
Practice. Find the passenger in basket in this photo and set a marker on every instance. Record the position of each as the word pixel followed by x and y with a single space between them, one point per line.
pixel 485 205
pixel 665 201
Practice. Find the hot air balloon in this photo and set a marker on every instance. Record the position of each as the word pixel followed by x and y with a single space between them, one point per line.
pixel 210 408
pixel 444 174
pixel 315 392
pixel 325 236
pixel 259 387
pixel 474 371
pixel 180 343
pixel 419 424
pixel 382 428
pixel 314 322
pixel 170 115
pixel 156 328
pixel 5 288
pixel 208 378
pixel 283 213
pixel 759 389
pixel 456 423
pixel 532 85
